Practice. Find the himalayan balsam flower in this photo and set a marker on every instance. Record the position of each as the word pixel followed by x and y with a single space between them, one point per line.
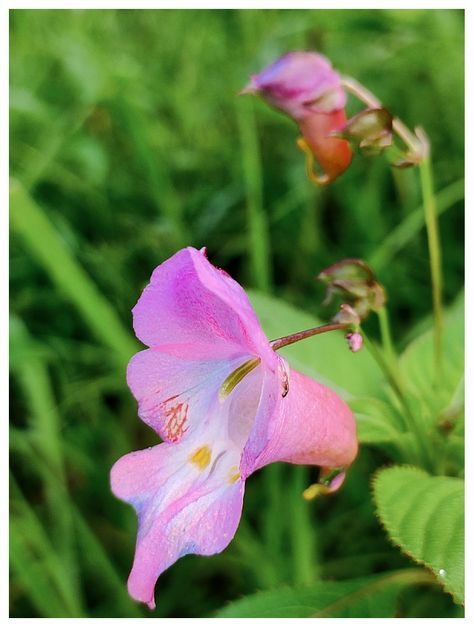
pixel 305 86
pixel 224 403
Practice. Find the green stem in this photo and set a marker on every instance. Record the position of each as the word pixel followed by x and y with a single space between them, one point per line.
pixel 411 422
pixel 303 531
pixel 386 335
pixel 434 247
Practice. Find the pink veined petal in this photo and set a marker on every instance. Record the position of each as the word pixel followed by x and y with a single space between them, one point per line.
pixel 175 391
pixel 181 508
pixel 191 302
pixel 313 425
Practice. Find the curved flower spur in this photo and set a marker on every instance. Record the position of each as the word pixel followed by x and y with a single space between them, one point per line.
pixel 225 404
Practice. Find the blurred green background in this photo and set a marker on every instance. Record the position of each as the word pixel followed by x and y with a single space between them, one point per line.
pixel 127 142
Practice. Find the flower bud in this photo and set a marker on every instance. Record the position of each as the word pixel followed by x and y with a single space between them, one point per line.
pixel 347 315
pixel 355 341
pixel 355 281
pixel 305 87
pixel 370 129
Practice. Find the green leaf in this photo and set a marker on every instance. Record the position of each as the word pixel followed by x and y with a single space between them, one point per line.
pixel 424 516
pixel 416 363
pixel 376 421
pixel 365 597
pixel 326 357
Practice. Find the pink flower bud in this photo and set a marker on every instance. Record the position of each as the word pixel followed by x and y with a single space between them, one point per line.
pixel 305 86
pixel 355 341
pixel 300 84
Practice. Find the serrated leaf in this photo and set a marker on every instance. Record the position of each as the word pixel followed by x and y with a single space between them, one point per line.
pixel 365 597
pixel 424 516
pixel 326 357
pixel 376 421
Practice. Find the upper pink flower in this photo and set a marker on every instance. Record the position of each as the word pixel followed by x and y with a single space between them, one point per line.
pixel 300 84
pixel 306 87
pixel 225 404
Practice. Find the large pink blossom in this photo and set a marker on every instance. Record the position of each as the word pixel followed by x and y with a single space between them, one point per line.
pixel 224 403
pixel 305 86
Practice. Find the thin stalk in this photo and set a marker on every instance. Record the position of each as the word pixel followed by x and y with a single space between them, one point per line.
pixel 386 335
pixel 434 247
pixel 410 420
pixel 296 337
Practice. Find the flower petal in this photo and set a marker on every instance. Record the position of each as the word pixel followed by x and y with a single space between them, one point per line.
pixel 175 391
pixel 333 154
pixel 312 425
pixel 192 303
pixel 301 83
pixel 187 502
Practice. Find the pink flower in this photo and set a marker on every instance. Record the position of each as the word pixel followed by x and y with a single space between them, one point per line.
pixel 225 404
pixel 304 86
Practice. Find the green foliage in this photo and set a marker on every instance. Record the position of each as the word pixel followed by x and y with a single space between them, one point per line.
pixel 127 141
pixel 377 421
pixel 425 516
pixel 371 597
pixel 416 363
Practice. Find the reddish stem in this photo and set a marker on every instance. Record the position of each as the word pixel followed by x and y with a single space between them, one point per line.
pixel 296 337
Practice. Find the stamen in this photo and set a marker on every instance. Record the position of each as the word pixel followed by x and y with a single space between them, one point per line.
pixel 236 377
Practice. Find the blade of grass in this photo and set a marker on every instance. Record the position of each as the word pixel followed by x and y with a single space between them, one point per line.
pixel 154 167
pixel 32 534
pixel 273 517
pixel 45 422
pixel 259 240
pixel 42 241
pixel 92 550
pixel 302 531
pixel 29 575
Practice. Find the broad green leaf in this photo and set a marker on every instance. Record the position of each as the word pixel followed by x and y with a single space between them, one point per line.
pixel 416 363
pixel 365 597
pixel 376 421
pixel 424 515
pixel 325 357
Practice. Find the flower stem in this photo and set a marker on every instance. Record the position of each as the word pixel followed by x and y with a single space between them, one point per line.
pixel 296 337
pixel 419 147
pixel 434 247
pixel 411 422
pixel 386 335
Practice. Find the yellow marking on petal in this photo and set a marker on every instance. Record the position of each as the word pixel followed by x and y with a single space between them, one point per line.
pixel 201 457
pixel 236 377
pixel 234 475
